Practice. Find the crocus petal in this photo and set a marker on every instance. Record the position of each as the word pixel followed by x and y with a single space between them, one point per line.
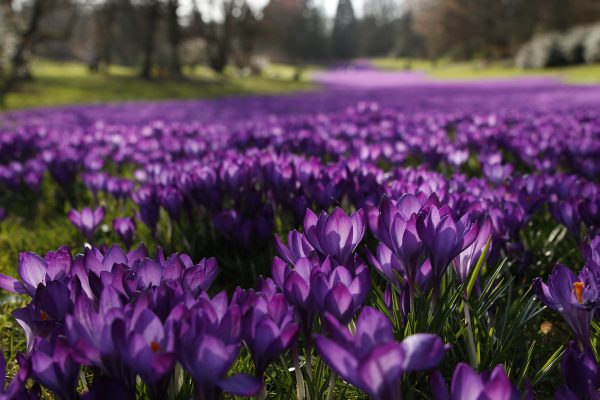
pixel 499 386
pixel 466 384
pixel 114 255
pixel 149 274
pixel 339 303
pixel 381 370
pixel 438 386
pixel 340 359
pixel 98 215
pixel 87 219
pixel 407 205
pixel 11 284
pixel 75 218
pixel 372 327
pixel 422 351
pixel 32 270
pixel 59 263
pixel 337 233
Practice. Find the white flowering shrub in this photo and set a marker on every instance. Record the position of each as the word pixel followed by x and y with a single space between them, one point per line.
pixel 541 52
pixel 592 45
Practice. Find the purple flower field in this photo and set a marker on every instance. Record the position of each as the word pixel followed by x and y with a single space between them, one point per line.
pixel 385 237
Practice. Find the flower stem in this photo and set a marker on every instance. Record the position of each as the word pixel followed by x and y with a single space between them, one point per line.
pixel 411 296
pixel 262 395
pixel 83 380
pixel 331 385
pixel 308 356
pixel 470 338
pixel 300 393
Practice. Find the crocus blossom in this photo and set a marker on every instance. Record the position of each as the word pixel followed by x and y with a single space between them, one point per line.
pixel 87 221
pixel 467 384
pixel 568 294
pixel 371 359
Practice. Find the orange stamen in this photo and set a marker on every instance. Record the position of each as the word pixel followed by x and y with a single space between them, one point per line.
pixel 578 287
pixel 43 316
pixel 154 346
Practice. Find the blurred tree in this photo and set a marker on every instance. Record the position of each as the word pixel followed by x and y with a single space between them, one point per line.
pixel 493 28
pixel 175 37
pixel 152 15
pixel 408 43
pixel 378 27
pixel 105 17
pixel 219 34
pixel 247 33
pixel 297 29
pixel 345 32
pixel 24 23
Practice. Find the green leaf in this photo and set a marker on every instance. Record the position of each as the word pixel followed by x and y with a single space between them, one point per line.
pixel 477 268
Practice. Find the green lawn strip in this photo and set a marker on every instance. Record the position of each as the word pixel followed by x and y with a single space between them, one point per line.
pixel 445 69
pixel 66 83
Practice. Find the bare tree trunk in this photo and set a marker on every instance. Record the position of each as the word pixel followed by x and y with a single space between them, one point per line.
pixel 219 43
pixel 174 38
pixel 20 68
pixel 153 12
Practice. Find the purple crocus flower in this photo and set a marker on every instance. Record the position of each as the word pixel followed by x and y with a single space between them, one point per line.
pixel 45 314
pixel 125 228
pixel 146 345
pixel 296 248
pixel 53 366
pixel 268 328
pixel 87 221
pixel 467 259
pixel 407 206
pixel 172 200
pixel 34 270
pixel 581 374
pixel 496 172
pixel 89 332
pixel 468 385
pixel 95 181
pixel 295 284
pixel 147 199
pixel 336 234
pixel 341 292
pixel 566 213
pixel 371 359
pixel 569 295
pixel 444 238
pixel 387 264
pixel 212 330
pixel 397 229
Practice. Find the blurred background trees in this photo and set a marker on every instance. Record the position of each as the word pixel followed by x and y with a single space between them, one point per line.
pixel 161 38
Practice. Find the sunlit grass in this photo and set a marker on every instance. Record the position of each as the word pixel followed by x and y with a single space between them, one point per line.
pixel 445 69
pixel 61 83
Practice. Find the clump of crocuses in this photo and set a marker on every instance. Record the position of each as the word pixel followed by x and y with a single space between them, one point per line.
pixel 467 384
pixel 371 359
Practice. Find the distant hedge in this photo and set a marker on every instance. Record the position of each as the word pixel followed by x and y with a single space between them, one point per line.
pixel 578 45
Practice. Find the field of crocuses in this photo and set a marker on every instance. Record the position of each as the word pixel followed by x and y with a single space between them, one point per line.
pixel 416 240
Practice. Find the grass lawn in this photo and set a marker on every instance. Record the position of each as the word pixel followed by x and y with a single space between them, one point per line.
pixel 59 83
pixel 445 69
